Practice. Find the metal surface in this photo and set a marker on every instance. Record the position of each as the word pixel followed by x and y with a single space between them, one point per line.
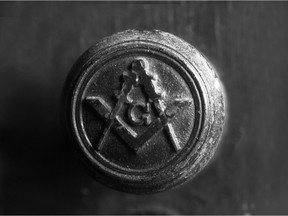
pixel 245 41
pixel 145 109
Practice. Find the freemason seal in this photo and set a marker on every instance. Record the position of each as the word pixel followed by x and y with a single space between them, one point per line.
pixel 145 110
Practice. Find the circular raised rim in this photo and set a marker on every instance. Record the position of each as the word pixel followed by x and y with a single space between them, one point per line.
pixel 82 139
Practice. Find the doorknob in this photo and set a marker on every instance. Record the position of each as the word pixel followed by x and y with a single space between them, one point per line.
pixel 144 110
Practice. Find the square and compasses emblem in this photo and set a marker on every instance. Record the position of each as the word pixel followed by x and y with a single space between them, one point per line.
pixel 138 112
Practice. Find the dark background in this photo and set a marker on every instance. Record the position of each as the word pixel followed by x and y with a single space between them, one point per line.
pixel 247 42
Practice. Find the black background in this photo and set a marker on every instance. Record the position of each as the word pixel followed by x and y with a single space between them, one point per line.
pixel 246 41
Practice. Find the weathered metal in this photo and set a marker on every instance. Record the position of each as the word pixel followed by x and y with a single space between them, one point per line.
pixel 144 109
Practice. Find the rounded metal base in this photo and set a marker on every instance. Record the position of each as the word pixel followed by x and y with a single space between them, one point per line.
pixel 144 109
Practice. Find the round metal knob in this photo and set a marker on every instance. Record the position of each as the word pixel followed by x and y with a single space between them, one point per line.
pixel 144 109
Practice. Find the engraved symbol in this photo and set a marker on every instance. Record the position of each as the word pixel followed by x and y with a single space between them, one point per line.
pixel 138 77
pixel 144 118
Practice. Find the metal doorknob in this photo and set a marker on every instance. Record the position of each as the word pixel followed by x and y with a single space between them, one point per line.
pixel 144 109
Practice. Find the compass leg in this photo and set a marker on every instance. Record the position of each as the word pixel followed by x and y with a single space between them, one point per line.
pixel 170 130
pixel 104 136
